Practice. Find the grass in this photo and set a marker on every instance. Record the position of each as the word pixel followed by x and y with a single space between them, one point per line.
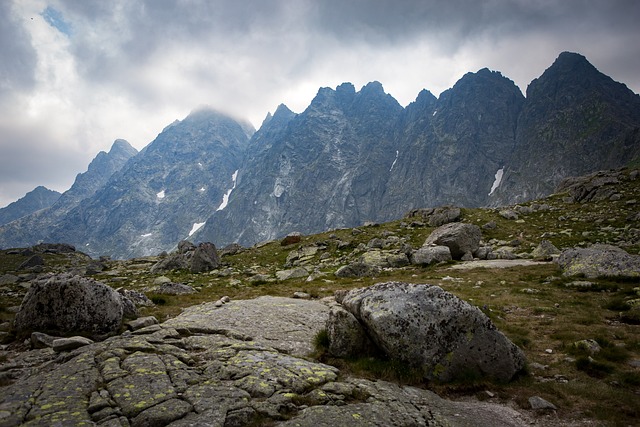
pixel 532 305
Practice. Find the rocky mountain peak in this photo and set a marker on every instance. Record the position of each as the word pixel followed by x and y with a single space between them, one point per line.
pixel 122 147
pixel 35 200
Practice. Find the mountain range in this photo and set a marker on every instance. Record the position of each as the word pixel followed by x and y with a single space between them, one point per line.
pixel 350 157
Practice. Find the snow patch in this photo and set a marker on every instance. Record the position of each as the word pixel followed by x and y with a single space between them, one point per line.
pixel 225 197
pixel 497 180
pixel 394 161
pixel 196 227
pixel 160 195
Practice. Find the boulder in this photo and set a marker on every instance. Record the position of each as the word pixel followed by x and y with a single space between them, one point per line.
pixel 436 217
pixel 196 259
pixel 357 269
pixel 174 289
pixel 427 255
pixel 41 340
pixel 291 238
pixel 31 262
pixel 65 304
pixel 204 258
pixel 545 251
pixel 599 261
pixel 378 259
pixel 434 331
pixel 71 343
pixel 293 273
pixel 459 237
pixel 347 337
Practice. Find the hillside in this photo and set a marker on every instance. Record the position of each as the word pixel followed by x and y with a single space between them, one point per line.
pixel 532 302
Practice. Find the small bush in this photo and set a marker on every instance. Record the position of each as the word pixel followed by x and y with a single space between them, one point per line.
pixel 617 304
pixel 158 300
pixel 321 340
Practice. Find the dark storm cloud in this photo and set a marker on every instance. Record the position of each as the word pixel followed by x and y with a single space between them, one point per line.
pixel 89 71
pixel 17 56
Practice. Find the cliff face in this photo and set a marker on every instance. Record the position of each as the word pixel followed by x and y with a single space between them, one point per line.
pixel 324 168
pixel 575 120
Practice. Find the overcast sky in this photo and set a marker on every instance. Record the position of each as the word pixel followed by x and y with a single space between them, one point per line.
pixel 77 74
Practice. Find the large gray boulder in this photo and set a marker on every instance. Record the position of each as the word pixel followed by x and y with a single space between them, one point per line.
pixel 196 259
pixel 433 330
pixel 599 261
pixel 427 255
pixel 461 239
pixel 69 305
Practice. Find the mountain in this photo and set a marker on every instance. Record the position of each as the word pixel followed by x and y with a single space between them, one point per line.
pixel 350 157
pixel 575 120
pixel 35 200
pixel 324 167
pixel 163 194
pixel 37 227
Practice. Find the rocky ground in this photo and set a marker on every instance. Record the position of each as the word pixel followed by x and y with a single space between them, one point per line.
pixel 255 360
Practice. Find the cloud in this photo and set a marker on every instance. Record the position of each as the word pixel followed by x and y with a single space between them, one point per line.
pixel 18 55
pixel 80 73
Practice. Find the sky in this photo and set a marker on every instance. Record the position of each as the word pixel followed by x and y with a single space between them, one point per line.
pixel 77 74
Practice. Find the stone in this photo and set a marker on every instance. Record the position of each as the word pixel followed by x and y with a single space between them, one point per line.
pixel 347 337
pixel 377 259
pixel 428 255
pixel 40 340
pixel 205 258
pixel 64 305
pixel 8 279
pixel 508 214
pixel 545 251
pixel 538 403
pixel 291 239
pixel 195 259
pixel 434 331
pixel 162 414
pixel 590 346
pixel 292 273
pixel 71 343
pixel 142 322
pixel 31 262
pixel 137 298
pixel 161 280
pixel 301 295
pixel 459 237
pixel 174 289
pixel 436 217
pixel 289 324
pixel 357 269
pixel 599 260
